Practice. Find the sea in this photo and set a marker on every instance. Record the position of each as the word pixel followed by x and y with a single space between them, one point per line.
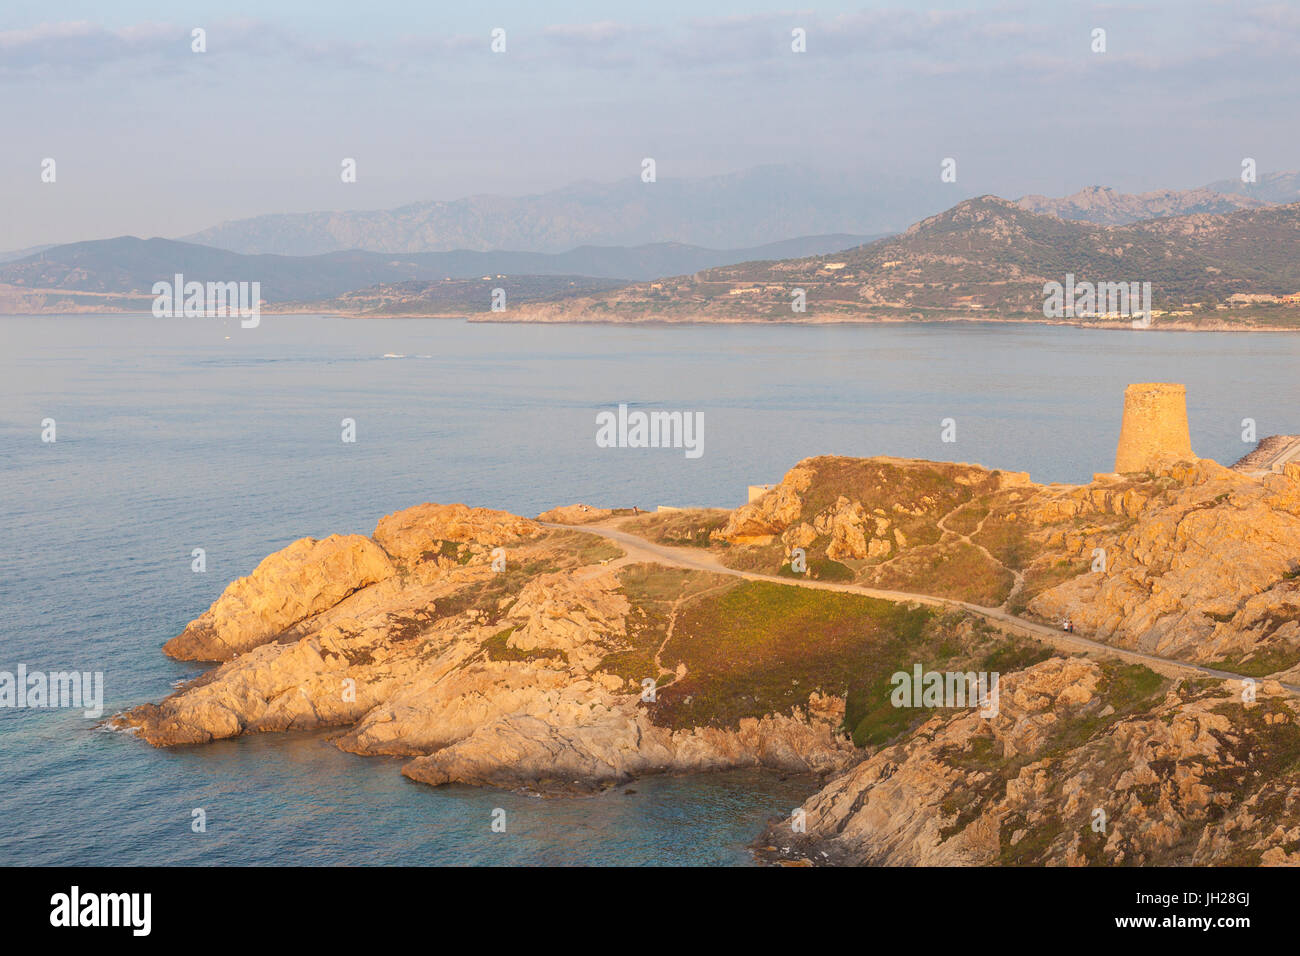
pixel 172 435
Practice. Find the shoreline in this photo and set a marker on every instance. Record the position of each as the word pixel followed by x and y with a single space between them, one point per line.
pixel 483 319
pixel 535 683
pixel 495 318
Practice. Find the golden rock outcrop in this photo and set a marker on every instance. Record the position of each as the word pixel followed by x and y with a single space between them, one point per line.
pixel 1163 774
pixel 304 579
pixel 412 532
pixel 531 673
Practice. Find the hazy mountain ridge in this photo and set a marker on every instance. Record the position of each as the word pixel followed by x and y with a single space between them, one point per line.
pixel 1106 206
pixel 1270 187
pixel 985 255
pixel 16 254
pixel 730 211
pixel 719 212
pixel 128 265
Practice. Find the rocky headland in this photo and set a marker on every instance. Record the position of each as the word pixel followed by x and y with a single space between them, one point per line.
pixel 580 650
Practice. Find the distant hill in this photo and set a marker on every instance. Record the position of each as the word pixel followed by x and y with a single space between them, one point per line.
pixel 456 296
pixel 129 266
pixel 1105 206
pixel 985 256
pixel 23 253
pixel 718 212
pixel 1270 187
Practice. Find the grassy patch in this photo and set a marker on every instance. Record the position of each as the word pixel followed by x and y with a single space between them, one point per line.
pixel 581 548
pixel 764 559
pixel 824 569
pixel 1007 538
pixel 967 518
pixel 1130 687
pixel 758 647
pixel 652 590
pixel 457 551
pixel 957 570
pixel 1260 661
pixel 1014 654
pixel 688 528
pixel 869 715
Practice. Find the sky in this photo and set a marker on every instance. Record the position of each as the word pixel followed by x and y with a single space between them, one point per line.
pixel 151 138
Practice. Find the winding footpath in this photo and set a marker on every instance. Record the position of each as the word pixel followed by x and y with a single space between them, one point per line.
pixel 637 549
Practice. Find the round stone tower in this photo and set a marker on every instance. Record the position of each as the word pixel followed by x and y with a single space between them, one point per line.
pixel 1155 427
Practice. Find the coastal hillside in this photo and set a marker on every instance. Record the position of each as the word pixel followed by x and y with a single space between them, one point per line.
pixel 990 258
pixel 1125 557
pixel 1088 764
pixel 986 258
pixel 580 650
pixel 120 273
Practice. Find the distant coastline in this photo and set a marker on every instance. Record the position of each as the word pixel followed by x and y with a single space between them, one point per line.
pixel 497 318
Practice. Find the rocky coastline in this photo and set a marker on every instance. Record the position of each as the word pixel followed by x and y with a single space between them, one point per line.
pixel 495 650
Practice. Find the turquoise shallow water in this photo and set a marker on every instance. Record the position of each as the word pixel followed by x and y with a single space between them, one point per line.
pixel 177 434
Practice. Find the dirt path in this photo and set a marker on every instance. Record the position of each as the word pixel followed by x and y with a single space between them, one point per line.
pixel 1017 577
pixel 639 549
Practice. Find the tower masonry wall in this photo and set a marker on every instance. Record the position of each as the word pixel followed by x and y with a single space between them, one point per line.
pixel 1155 428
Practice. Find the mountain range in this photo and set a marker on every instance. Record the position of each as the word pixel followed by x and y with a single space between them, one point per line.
pixel 127 265
pixel 985 256
pixel 1197 248
pixel 1270 187
pixel 741 209
pixel 1105 206
pixel 720 212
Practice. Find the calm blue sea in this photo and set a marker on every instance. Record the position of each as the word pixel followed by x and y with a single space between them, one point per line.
pixel 174 434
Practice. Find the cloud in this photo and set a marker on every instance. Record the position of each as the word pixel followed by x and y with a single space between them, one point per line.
pixel 79 45
pixel 79 48
pixel 1159 44
pixel 600 32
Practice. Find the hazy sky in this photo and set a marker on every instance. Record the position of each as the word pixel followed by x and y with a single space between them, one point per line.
pixel 153 139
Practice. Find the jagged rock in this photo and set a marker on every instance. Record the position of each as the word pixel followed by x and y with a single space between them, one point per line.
pixel 772 513
pixel 1199 576
pixel 405 681
pixel 1178 783
pixel 581 619
pixel 304 579
pixel 800 536
pixel 413 532
pixel 421 650
pixel 845 526
pixel 613 744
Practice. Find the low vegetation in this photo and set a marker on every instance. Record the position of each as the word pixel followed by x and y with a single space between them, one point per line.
pixel 689 527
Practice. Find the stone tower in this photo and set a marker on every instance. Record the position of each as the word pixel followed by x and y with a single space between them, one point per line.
pixel 1155 427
